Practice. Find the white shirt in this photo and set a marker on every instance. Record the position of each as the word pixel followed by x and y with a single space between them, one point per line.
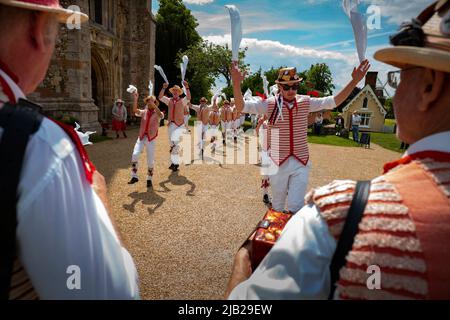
pixel 62 222
pixel 258 106
pixel 356 120
pixel 297 267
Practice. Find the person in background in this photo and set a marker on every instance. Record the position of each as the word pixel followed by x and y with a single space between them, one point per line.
pixel 356 122
pixel 119 121
pixel 318 122
pixel 340 124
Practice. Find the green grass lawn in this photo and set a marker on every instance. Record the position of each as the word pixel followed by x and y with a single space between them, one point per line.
pixel 331 140
pixel 386 140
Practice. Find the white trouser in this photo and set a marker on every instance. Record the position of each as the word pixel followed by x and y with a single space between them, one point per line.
pixel 213 132
pixel 201 133
pixel 289 182
pixel 186 119
pixel 138 147
pixel 175 134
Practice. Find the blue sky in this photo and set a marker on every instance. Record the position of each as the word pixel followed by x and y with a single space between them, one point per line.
pixel 301 32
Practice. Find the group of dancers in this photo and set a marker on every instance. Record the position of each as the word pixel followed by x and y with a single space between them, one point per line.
pixel 210 118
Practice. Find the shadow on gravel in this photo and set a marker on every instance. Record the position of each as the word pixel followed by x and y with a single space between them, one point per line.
pixel 177 180
pixel 149 198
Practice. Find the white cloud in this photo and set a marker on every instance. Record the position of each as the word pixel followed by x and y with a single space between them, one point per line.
pixel 278 49
pixel 198 2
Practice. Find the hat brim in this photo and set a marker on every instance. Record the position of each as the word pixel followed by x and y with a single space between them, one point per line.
pixel 64 15
pixel 180 91
pixel 403 56
pixel 288 82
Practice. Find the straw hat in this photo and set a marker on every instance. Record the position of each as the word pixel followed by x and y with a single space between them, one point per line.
pixel 288 76
pixel 424 42
pixel 52 6
pixel 177 89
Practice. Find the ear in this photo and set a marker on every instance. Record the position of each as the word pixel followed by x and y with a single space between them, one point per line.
pixel 432 86
pixel 42 32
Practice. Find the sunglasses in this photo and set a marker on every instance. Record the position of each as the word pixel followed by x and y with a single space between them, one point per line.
pixel 394 77
pixel 287 87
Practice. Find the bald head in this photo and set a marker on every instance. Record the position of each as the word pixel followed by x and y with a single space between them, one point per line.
pixel 28 40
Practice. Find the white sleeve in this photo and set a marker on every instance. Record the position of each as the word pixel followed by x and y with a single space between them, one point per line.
pixel 195 108
pixel 62 223
pixel 326 103
pixel 255 106
pixel 297 267
pixel 165 100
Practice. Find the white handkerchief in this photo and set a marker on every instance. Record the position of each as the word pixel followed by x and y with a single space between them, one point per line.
pixel 131 89
pixel 236 30
pixel 161 72
pixel 265 84
pixel 360 30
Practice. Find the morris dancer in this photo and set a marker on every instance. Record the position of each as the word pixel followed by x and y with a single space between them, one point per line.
pixel 226 114
pixel 287 114
pixel 203 111
pixel 148 132
pixel 176 108
pixel 214 121
pixel 234 120
pixel 119 121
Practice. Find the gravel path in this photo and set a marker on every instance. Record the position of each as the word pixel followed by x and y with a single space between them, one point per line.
pixel 184 233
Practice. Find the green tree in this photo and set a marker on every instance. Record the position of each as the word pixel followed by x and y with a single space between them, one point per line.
pixel 319 75
pixel 389 106
pixel 175 32
pixel 207 62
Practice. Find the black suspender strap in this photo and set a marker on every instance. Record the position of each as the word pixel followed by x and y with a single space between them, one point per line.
pixel 349 232
pixel 17 123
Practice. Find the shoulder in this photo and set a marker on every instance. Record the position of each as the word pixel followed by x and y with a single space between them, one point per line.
pixel 333 201
pixel 303 98
pixel 50 155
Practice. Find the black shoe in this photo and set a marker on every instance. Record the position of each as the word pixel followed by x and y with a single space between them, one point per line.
pixel 175 167
pixel 171 166
pixel 149 184
pixel 133 180
pixel 117 136
pixel 125 135
pixel 266 199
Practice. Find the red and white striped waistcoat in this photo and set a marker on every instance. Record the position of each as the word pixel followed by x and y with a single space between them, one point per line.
pixel 405 230
pixel 149 125
pixel 287 135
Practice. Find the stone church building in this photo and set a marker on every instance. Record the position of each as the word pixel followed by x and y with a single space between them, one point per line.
pixel 94 65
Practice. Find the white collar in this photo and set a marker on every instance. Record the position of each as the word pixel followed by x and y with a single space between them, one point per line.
pixel 18 93
pixel 436 142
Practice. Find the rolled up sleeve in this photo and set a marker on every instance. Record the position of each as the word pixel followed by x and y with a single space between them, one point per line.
pixel 255 107
pixel 326 103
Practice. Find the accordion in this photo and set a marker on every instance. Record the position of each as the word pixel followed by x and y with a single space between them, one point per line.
pixel 266 234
